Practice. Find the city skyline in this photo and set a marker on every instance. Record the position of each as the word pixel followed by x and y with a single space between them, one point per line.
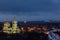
pixel 30 10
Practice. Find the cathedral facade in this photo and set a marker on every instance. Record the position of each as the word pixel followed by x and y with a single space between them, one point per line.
pixel 8 29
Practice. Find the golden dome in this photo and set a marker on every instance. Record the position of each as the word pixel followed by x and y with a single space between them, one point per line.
pixel 7 22
pixel 14 20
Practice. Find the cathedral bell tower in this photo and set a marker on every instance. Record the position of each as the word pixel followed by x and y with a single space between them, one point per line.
pixel 15 28
pixel 14 23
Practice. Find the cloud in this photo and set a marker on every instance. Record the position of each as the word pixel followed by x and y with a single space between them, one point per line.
pixel 29 5
pixel 30 9
pixel 29 16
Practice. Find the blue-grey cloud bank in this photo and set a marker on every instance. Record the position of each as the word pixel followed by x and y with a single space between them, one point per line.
pixel 30 10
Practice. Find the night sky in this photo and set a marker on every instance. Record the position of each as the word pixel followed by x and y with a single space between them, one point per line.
pixel 30 10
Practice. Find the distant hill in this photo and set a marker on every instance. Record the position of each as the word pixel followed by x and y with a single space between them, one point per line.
pixel 29 23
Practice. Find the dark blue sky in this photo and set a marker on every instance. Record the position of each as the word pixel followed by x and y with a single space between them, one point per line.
pixel 30 10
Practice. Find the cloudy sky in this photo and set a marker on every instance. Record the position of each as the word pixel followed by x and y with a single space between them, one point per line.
pixel 30 10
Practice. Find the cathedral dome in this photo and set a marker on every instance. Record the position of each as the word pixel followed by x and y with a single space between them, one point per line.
pixel 14 20
pixel 6 23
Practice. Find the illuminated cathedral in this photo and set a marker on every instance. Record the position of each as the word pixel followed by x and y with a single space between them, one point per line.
pixel 8 29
